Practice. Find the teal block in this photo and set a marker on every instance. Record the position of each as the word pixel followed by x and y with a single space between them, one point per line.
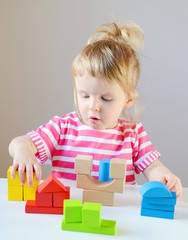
pixel 157 213
pixel 155 189
pixel 167 201
pixel 164 207
pixel 104 170
pixel 73 211
pixel 91 214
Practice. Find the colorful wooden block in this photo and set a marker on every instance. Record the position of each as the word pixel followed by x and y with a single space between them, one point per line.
pixel 43 199
pixel 51 184
pixel 15 181
pixel 29 192
pixel 161 200
pixel 157 200
pixel 104 170
pixel 31 207
pixel 59 197
pixel 73 211
pixel 83 164
pixel 105 198
pixel 118 168
pixel 50 195
pixel 15 193
pixel 91 214
pixel 91 220
pixel 88 182
pixel 156 206
pixel 157 213
pixel 155 189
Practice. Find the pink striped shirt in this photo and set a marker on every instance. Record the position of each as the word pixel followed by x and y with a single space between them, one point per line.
pixel 63 138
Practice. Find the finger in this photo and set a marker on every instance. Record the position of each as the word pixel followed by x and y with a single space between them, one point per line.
pixel 13 170
pixel 38 171
pixel 21 170
pixel 29 171
pixel 170 181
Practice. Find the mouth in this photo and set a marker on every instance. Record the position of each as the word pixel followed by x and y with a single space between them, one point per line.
pixel 94 119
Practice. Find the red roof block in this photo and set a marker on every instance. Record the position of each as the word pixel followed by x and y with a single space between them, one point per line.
pixel 51 184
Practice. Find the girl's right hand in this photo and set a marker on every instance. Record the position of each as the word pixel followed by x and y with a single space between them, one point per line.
pixel 22 150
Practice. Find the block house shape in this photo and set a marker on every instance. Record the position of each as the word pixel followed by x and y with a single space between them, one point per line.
pixel 157 200
pixel 17 191
pixel 86 218
pixel 94 190
pixel 50 195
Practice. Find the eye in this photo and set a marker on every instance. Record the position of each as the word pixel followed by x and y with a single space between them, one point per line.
pixel 107 99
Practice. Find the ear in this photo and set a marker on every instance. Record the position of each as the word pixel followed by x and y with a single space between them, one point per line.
pixel 129 103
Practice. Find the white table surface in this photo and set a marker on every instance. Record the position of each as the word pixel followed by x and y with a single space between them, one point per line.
pixel 16 224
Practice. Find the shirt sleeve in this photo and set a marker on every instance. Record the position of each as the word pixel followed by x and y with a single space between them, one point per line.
pixel 144 152
pixel 46 139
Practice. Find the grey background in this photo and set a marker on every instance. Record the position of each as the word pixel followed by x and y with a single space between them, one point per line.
pixel 39 40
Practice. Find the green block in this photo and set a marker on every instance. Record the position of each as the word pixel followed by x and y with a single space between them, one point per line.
pixel 106 227
pixel 72 211
pixel 91 214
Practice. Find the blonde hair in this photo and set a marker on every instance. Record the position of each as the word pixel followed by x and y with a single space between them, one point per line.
pixel 112 53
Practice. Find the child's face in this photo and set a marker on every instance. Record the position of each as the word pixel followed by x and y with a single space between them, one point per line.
pixel 100 103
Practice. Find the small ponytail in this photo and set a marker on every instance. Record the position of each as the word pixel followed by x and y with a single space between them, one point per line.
pixel 129 34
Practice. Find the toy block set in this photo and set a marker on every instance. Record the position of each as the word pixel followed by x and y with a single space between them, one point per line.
pixel 50 195
pixel 86 218
pixel 17 191
pixel 111 179
pixel 157 200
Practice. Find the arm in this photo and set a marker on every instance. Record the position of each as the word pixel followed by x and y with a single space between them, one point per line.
pixel 156 171
pixel 23 150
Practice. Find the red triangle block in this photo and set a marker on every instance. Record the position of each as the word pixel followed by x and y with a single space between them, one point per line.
pixel 51 184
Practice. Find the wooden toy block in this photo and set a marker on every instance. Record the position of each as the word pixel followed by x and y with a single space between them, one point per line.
pixel 166 201
pixel 162 207
pixel 155 189
pixel 83 164
pixel 118 168
pixel 49 197
pixel 15 193
pixel 15 181
pixel 105 198
pixel 157 213
pixel 51 184
pixel 73 211
pixel 88 182
pixel 44 199
pixel 91 214
pixel 59 197
pixel 107 227
pixel 98 225
pixel 29 192
pixel 104 170
pixel 31 207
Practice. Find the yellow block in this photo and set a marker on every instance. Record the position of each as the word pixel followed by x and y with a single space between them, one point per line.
pixel 15 181
pixel 29 192
pixel 15 193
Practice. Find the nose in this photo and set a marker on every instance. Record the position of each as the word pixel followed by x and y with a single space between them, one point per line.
pixel 94 105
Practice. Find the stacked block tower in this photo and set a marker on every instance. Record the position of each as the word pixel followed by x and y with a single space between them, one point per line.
pixel 17 191
pixel 157 200
pixel 94 190
pixel 86 218
pixel 50 195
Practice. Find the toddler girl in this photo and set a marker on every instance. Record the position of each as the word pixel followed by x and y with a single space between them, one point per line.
pixel 105 73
